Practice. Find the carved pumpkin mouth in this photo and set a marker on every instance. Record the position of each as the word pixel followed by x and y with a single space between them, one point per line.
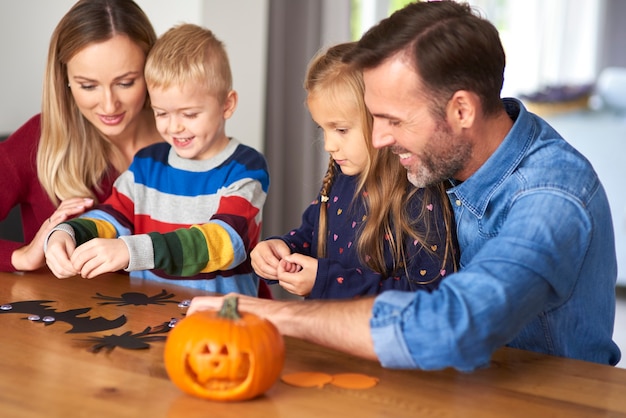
pixel 217 367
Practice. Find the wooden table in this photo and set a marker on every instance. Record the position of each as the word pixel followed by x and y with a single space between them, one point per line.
pixel 47 372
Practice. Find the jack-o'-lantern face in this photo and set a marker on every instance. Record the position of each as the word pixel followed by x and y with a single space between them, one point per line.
pixel 211 355
pixel 218 366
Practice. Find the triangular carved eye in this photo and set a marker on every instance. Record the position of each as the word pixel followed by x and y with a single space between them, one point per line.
pixel 212 349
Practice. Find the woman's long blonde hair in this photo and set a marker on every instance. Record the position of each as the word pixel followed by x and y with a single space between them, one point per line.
pixel 383 184
pixel 73 155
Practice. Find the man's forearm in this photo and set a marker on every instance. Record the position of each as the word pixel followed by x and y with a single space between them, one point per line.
pixel 341 325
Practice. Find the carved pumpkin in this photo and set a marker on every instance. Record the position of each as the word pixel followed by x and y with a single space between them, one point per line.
pixel 225 355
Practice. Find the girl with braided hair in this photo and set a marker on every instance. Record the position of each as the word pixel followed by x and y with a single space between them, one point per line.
pixel 369 230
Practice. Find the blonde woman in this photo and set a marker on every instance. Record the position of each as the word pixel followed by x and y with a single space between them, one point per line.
pixel 95 116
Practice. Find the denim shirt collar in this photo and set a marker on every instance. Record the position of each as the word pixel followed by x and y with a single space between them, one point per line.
pixel 475 192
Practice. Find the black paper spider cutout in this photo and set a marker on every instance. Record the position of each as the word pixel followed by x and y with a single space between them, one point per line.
pixel 136 299
pixel 129 340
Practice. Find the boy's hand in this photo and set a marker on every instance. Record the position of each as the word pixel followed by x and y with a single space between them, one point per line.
pixel 266 256
pixel 99 256
pixel 60 248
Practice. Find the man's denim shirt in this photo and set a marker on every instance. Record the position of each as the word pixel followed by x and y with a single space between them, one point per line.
pixel 538 265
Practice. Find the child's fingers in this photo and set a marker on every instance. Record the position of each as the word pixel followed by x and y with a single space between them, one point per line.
pixel 288 267
pixel 60 266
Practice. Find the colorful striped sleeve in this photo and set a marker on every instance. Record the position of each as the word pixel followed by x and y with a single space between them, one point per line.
pixel 203 248
pixel 103 222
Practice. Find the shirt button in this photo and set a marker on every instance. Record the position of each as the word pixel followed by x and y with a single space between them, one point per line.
pixel 458 202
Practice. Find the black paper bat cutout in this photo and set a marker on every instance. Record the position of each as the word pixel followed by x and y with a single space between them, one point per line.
pixel 129 340
pixel 40 310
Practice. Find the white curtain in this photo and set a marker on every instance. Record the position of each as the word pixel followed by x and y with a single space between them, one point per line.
pixel 547 43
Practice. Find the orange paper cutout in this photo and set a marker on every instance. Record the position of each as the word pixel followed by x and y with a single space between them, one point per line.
pixel 307 379
pixel 353 381
pixel 341 380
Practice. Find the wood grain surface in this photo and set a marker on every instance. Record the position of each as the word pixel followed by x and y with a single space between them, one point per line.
pixel 47 372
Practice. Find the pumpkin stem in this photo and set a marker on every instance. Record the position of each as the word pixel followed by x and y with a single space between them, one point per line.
pixel 229 308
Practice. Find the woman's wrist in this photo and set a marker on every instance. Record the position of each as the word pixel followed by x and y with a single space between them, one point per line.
pixel 21 261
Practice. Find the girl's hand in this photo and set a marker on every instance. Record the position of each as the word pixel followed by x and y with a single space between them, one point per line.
pixel 31 257
pixel 296 273
pixel 289 267
pixel 266 256
pixel 99 256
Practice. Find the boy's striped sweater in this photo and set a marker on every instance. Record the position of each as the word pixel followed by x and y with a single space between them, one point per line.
pixel 184 219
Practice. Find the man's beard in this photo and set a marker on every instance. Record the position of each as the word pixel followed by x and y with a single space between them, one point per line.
pixel 447 155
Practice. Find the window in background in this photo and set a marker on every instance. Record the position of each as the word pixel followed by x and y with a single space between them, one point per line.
pixel 547 43
pixel 366 13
